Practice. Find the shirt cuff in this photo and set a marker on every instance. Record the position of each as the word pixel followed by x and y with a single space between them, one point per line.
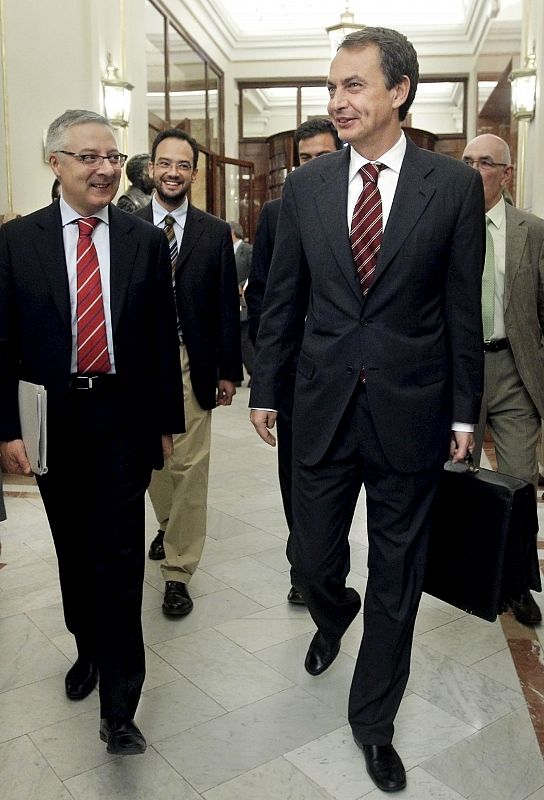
pixel 462 427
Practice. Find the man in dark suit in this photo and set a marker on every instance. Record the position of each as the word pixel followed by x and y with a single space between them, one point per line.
pixel 378 254
pixel 86 309
pixel 513 319
pixel 315 137
pixel 243 252
pixel 208 311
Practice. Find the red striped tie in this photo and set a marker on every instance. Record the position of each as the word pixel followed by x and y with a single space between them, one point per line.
pixel 92 343
pixel 366 226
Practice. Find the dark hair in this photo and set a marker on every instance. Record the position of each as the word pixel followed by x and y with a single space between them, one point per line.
pixel 175 133
pixel 135 167
pixel 397 58
pixel 314 127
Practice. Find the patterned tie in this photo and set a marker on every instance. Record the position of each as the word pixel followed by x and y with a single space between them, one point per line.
pixel 488 285
pixel 173 245
pixel 92 343
pixel 366 226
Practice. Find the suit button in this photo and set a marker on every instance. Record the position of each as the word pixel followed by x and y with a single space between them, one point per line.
pixel 349 370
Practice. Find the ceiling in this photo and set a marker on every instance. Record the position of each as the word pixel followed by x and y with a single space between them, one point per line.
pixel 295 18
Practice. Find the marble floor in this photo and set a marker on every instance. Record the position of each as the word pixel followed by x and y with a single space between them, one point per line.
pixel 228 711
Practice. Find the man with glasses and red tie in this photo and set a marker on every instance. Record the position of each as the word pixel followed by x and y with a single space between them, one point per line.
pixel 86 309
pixel 378 257
pixel 513 327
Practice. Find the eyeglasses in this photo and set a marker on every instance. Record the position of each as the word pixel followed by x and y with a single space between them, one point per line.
pixel 94 160
pixel 182 166
pixel 484 163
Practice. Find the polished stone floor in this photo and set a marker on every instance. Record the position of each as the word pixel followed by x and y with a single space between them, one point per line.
pixel 228 711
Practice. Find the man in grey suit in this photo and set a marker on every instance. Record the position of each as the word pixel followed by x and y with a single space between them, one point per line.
pixel 513 319
pixel 378 256
pixel 243 253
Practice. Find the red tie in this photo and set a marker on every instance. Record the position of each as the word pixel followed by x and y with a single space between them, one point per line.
pixel 366 226
pixel 92 343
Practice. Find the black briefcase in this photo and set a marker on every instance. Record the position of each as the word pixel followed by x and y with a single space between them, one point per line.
pixel 482 549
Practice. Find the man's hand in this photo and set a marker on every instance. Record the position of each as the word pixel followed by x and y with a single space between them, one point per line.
pixel 263 422
pixel 13 458
pixel 167 446
pixel 461 443
pixel 225 392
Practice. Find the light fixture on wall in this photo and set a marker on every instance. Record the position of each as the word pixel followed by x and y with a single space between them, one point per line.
pixel 346 25
pixel 116 96
pixel 524 89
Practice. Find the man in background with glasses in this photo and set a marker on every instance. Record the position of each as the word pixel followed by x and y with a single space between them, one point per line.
pixel 205 287
pixel 513 320
pixel 86 309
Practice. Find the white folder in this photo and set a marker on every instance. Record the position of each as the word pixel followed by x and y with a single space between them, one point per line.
pixel 33 417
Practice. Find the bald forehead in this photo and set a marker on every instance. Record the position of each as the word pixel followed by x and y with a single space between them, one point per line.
pixel 489 145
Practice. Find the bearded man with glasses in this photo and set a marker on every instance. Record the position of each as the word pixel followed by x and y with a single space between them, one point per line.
pixel 513 321
pixel 86 309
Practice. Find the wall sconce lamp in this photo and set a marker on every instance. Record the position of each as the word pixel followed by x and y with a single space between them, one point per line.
pixel 116 96
pixel 337 32
pixel 524 89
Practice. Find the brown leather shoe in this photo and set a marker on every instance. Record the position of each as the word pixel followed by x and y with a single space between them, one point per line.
pixel 177 600
pixel 122 737
pixel 156 548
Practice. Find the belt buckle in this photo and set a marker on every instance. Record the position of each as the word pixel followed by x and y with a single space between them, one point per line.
pixel 87 382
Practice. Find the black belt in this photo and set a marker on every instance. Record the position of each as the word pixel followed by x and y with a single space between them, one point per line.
pixel 495 345
pixel 92 381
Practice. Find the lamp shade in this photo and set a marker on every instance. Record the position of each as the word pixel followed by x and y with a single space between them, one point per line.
pixel 116 97
pixel 337 32
pixel 524 90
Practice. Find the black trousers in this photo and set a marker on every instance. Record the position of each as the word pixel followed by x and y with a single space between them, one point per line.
pixel 94 499
pixel 399 510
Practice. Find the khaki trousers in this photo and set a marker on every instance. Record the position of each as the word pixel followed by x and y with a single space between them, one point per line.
pixel 179 491
pixel 512 418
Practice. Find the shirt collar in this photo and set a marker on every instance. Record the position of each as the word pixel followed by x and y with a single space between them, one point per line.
pixel 392 159
pixel 68 215
pixel 497 214
pixel 160 212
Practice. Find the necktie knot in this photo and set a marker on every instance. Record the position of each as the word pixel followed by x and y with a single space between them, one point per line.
pixel 369 172
pixel 169 221
pixel 87 225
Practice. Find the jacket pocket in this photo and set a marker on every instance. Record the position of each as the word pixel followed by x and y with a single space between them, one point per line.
pixel 306 366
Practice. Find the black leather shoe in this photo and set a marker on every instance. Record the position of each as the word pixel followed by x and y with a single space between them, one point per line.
pixel 156 548
pixel 526 610
pixel 321 653
pixel 122 737
pixel 81 679
pixel 294 597
pixel 177 601
pixel 384 766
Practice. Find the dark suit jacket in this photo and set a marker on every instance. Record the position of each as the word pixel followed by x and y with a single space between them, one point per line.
pixel 208 302
pixel 35 328
pixel 418 332
pixel 263 247
pixel 524 298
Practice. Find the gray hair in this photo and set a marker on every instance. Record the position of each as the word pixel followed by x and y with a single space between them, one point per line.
pixel 237 229
pixel 56 132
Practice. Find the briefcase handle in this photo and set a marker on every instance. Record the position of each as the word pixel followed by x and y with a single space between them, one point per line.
pixel 467 465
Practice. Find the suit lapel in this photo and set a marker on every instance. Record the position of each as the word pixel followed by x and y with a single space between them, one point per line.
pixel 413 193
pixel 331 199
pixel 516 235
pixel 123 250
pixel 192 232
pixel 49 245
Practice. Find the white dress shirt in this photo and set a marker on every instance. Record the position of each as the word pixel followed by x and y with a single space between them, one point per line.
pixel 497 229
pixel 179 215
